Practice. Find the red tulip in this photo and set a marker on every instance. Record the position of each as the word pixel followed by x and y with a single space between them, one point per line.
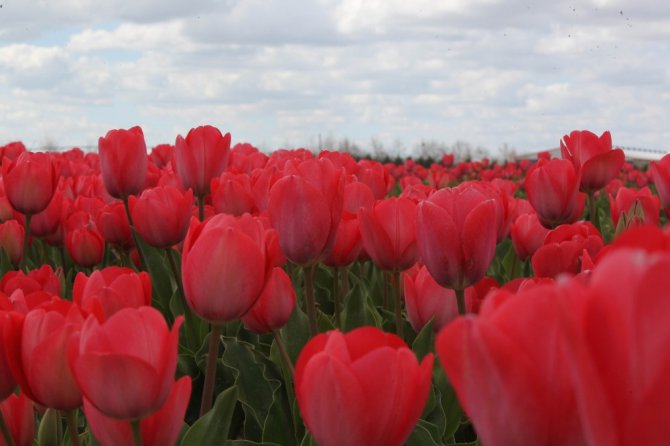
pixel 527 235
pixel 161 215
pixel 162 428
pixel 37 351
pixel 126 365
pixel 18 413
pixel 203 155
pixel 273 308
pixel 425 299
pixel 112 224
pixel 123 161
pixel 7 380
pixel 30 182
pixel 364 387
pixel 82 240
pixel 111 289
pixel 553 190
pixel 348 244
pixel 48 221
pixel 225 263
pixel 373 174
pixel 660 174
pixel 563 249
pixel 305 208
pixel 513 354
pixel 388 232
pixel 42 279
pixel 455 235
pixel 644 206
pixel 232 194
pixel 11 240
pixel 617 337
pixel 594 160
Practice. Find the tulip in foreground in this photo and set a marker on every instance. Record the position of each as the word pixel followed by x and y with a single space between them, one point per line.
pixel 361 388
pixel 126 366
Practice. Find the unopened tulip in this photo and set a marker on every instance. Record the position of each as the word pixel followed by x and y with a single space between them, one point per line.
pixel 37 351
pixel 224 266
pixel 456 235
pixel 273 308
pixel 111 222
pixel 112 289
pixel 11 240
pixel 19 416
pixel 162 428
pixel 305 208
pixel 362 388
pixel 123 161
pixel 388 232
pixel 527 235
pixel 161 215
pixel 553 190
pixel 513 354
pixel 30 182
pixel 201 156
pixel 125 366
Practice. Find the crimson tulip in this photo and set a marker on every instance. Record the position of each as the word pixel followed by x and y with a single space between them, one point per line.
pixel 162 428
pixel 513 353
pixel 111 221
pixel 30 182
pixel 37 350
pixel 364 387
pixel 225 262
pixel 42 279
pixel 82 240
pixel 125 366
pixel 305 208
pixel 595 162
pixel 11 240
pixel 425 299
pixel 388 232
pixel 456 235
pixel 274 306
pixel 553 190
pixel 19 416
pixel 641 202
pixel 7 380
pixel 112 289
pixel 123 161
pixel 232 194
pixel 660 174
pixel 527 235
pixel 564 248
pixel 161 215
pixel 201 156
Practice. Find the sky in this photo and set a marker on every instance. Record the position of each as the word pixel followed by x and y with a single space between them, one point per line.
pixel 282 73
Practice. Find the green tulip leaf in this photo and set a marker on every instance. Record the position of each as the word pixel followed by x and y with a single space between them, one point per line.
pixel 215 424
pixel 424 341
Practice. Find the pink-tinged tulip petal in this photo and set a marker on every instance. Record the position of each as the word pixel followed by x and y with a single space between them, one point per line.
pixel 201 156
pixel 161 428
pixel 125 366
pixel 30 182
pixel 301 216
pixel 123 161
pixel 437 229
pixel 476 241
pixel 19 416
pixel 366 379
pixel 601 169
pixel 223 290
pixel 273 308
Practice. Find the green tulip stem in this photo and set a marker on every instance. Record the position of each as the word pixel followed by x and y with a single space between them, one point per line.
pixel 136 428
pixel 9 441
pixel 337 296
pixel 201 207
pixel 286 359
pixel 210 372
pixel 460 300
pixel 26 242
pixel 136 237
pixel 71 417
pixel 397 298
pixel 190 320
pixel 310 302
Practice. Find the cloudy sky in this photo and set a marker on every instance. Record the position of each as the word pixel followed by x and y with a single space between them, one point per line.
pixel 279 73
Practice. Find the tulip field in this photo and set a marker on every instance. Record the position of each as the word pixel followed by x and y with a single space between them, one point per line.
pixel 206 293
